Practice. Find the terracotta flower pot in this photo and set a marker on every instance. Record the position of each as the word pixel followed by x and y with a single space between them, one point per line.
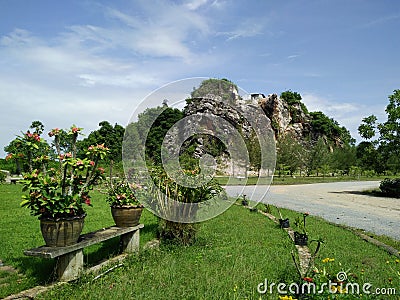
pixel 62 232
pixel 126 215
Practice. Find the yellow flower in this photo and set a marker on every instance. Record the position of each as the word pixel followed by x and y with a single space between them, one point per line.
pixel 325 260
pixel 341 290
pixel 286 298
pixel 235 288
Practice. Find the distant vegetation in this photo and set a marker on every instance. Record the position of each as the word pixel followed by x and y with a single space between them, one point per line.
pixel 379 154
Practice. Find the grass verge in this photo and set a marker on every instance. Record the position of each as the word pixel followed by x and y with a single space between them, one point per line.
pixel 288 180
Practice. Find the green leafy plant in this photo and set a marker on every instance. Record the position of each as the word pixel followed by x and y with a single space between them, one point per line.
pixel 244 201
pixel 300 223
pixel 2 177
pixel 390 187
pixel 122 194
pixel 165 188
pixel 63 191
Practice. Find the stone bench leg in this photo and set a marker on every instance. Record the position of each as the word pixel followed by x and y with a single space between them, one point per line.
pixel 130 242
pixel 70 265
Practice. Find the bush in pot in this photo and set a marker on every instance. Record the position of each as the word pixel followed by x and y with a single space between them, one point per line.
pixel 300 235
pixel 165 186
pixel 58 195
pixel 125 207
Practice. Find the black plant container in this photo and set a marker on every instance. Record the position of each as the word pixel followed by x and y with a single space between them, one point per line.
pixel 300 239
pixel 284 223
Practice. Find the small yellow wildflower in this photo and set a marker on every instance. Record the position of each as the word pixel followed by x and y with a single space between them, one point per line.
pixel 286 298
pixel 235 288
pixel 325 260
pixel 341 290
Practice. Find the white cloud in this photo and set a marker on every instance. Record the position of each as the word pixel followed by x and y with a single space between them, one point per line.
pixel 86 73
pixel 195 4
pixel 166 31
pixel 247 28
pixel 293 56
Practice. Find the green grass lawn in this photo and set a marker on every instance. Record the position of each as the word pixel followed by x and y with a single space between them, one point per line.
pixel 233 254
pixel 20 231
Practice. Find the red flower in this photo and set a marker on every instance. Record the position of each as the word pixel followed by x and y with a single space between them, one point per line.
pixel 54 131
pixel 308 279
pixel 101 170
pixel 87 201
pixel 75 129
pixel 91 163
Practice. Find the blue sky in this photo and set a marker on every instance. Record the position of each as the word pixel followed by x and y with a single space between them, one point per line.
pixel 65 62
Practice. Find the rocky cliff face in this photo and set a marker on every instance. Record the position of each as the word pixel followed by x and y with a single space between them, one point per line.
pixel 233 113
pixel 285 118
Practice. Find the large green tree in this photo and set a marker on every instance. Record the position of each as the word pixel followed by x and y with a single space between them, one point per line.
pixel 156 122
pixel 110 136
pixel 317 156
pixel 28 145
pixel 388 141
pixel 290 154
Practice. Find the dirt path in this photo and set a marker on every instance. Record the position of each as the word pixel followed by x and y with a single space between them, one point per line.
pixel 337 202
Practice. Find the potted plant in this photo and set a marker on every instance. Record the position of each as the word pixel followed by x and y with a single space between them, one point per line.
pixel 58 195
pixel 126 209
pixel 301 237
pixel 283 223
pixel 244 201
pixel 176 224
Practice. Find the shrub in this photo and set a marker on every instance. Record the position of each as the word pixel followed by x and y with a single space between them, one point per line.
pixel 166 188
pixel 2 177
pixel 390 187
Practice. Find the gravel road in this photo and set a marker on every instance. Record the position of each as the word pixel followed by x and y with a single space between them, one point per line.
pixel 338 202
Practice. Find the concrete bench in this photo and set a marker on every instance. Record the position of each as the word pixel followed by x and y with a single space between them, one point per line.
pixel 14 180
pixel 70 258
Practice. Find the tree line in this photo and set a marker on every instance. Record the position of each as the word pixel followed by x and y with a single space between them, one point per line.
pixel 377 154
